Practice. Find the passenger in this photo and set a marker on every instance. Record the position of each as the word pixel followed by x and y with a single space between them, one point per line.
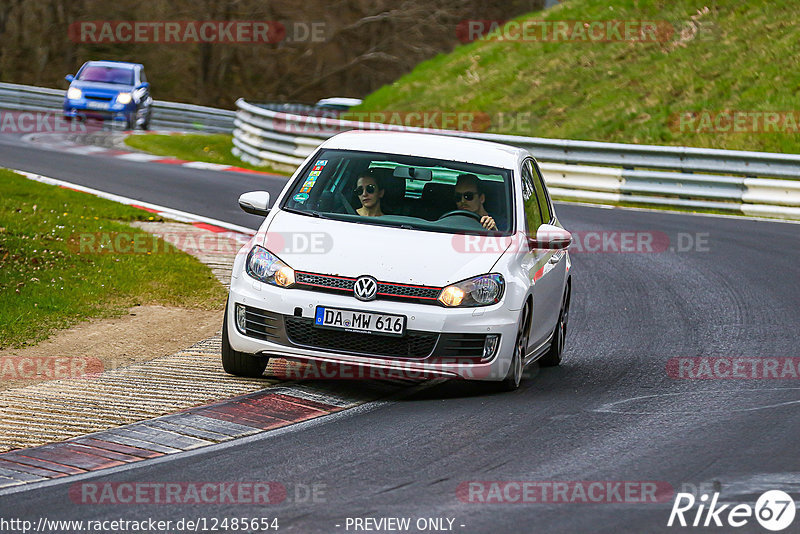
pixel 468 196
pixel 369 192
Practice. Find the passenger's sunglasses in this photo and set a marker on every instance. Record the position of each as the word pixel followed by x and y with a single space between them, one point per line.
pixel 468 196
pixel 360 190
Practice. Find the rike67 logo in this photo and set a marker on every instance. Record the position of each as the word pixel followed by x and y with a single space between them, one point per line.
pixel 774 510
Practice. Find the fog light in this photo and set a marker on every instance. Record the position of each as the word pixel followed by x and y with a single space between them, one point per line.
pixel 241 321
pixel 490 345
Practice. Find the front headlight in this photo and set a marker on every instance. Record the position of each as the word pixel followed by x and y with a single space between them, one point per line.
pixel 124 98
pixel 73 93
pixel 266 267
pixel 479 291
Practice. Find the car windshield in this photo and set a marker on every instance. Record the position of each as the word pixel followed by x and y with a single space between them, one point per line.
pixel 403 191
pixel 107 74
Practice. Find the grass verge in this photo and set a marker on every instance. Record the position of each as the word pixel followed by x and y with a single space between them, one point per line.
pixel 211 148
pixel 48 280
pixel 721 57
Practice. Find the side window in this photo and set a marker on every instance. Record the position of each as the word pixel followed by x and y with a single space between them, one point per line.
pixel 533 216
pixel 538 182
pixel 142 77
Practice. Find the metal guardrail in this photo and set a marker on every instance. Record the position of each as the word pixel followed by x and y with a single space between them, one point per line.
pixel 283 135
pixel 166 115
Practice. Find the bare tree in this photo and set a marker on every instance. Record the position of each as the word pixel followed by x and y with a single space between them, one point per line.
pixel 363 44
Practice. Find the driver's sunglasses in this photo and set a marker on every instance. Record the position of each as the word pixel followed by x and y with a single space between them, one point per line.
pixel 468 196
pixel 360 190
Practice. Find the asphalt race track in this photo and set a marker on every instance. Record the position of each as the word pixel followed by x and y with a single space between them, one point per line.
pixel 614 410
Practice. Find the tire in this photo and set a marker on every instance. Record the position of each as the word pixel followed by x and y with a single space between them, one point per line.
pixel 240 363
pixel 514 376
pixel 553 356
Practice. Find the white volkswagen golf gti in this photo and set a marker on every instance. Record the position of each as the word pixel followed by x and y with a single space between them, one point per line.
pixel 423 255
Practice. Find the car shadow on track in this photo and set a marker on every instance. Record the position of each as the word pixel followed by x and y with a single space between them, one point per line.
pixel 535 380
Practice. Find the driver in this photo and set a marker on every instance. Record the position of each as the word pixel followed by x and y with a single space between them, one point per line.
pixel 468 196
pixel 369 192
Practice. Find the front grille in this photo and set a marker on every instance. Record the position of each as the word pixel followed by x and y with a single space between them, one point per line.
pixel 261 324
pixel 322 281
pixel 98 98
pixel 301 331
pixel 399 290
pixel 386 290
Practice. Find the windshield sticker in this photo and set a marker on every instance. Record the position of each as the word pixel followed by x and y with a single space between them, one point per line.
pixel 321 163
pixel 308 184
pixel 313 173
pixel 300 197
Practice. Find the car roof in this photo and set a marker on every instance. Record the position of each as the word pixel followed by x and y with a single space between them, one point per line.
pixel 108 63
pixel 429 145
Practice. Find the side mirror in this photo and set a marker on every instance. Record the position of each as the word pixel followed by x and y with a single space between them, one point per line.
pixel 69 78
pixel 550 237
pixel 255 202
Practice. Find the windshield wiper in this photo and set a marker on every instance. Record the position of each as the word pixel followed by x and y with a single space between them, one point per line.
pixel 313 213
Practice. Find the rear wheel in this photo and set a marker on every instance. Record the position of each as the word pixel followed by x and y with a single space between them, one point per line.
pixel 553 356
pixel 240 363
pixel 514 376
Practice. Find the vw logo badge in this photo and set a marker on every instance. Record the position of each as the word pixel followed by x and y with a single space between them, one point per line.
pixel 365 288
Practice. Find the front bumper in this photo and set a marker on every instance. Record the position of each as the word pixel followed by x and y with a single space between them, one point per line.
pixel 292 312
pixel 80 109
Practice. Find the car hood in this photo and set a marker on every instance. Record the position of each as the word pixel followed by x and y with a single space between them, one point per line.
pixel 351 249
pixel 100 88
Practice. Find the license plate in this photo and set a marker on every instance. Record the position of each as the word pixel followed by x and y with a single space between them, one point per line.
pixel 360 321
pixel 97 105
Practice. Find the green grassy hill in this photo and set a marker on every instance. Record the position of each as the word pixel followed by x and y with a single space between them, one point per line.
pixel 740 55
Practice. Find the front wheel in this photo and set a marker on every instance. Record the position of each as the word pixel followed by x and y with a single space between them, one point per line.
pixel 514 375
pixel 240 363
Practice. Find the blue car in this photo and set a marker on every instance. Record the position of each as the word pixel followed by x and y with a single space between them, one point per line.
pixel 110 91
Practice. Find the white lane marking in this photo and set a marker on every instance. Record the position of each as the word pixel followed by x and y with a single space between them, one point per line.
pixel 85 150
pixel 206 165
pixel 167 212
pixel 610 407
pixel 136 156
